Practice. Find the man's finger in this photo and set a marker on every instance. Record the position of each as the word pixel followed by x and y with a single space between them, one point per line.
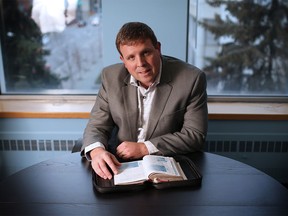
pixel 104 169
pixel 98 170
pixel 113 163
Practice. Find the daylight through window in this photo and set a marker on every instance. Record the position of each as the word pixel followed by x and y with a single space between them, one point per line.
pixel 55 46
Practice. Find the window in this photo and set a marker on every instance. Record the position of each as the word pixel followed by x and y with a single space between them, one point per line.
pixel 247 53
pixel 51 46
pixel 208 35
pixel 55 46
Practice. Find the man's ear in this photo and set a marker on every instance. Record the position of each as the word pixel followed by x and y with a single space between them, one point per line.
pixel 121 58
pixel 158 46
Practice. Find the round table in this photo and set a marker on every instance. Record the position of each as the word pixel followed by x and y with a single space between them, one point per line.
pixel 63 186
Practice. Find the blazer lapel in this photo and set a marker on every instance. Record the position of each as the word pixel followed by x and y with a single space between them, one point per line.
pixel 162 94
pixel 131 109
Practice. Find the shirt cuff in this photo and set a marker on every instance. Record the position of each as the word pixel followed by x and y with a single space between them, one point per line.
pixel 90 147
pixel 151 148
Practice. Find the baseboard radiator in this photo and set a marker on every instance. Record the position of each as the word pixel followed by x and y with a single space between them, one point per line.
pixel 214 146
pixel 37 145
pixel 246 146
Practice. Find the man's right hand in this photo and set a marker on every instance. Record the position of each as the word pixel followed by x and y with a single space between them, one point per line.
pixel 101 160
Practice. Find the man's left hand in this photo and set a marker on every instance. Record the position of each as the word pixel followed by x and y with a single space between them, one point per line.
pixel 131 150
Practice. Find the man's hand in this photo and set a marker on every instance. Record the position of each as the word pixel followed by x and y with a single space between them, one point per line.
pixel 101 160
pixel 131 150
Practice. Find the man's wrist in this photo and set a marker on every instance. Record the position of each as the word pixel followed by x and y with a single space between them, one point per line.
pixel 95 151
pixel 90 147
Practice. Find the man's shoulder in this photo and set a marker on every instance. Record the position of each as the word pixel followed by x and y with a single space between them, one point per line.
pixel 115 73
pixel 177 65
pixel 117 69
pixel 171 59
pixel 113 67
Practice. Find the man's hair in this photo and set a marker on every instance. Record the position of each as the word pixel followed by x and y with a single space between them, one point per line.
pixel 133 32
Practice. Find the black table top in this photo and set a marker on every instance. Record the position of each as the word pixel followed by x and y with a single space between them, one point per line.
pixel 64 186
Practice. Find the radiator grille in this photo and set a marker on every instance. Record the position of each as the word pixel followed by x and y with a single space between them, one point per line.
pixel 246 146
pixel 37 145
pixel 210 146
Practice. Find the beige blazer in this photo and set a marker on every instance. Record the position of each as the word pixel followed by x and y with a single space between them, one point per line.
pixel 178 120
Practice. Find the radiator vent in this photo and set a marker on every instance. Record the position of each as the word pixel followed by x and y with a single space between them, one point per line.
pixel 37 145
pixel 246 146
pixel 210 146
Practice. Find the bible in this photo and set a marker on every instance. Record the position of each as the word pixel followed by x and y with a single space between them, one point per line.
pixel 156 169
pixel 159 172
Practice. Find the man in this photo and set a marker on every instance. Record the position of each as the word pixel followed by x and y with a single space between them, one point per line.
pixel 158 104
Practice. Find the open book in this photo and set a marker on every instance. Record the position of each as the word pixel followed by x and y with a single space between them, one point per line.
pixel 152 168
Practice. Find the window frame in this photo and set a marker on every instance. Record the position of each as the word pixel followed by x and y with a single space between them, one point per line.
pixel 79 106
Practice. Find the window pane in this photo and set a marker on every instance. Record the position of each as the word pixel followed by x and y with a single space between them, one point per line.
pixel 250 48
pixel 51 46
pixel 55 46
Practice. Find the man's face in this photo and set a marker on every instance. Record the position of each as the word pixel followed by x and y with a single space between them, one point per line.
pixel 142 60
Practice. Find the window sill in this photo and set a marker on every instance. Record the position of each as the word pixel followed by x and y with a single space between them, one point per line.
pixel 63 106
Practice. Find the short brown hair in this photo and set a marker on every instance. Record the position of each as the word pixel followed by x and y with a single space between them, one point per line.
pixel 133 32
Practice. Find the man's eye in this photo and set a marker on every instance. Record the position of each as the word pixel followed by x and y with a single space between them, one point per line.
pixel 130 58
pixel 147 53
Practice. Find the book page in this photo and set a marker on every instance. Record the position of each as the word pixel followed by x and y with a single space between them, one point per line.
pixel 130 173
pixel 160 164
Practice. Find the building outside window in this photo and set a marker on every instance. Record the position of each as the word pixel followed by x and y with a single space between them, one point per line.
pixel 50 46
pixel 55 46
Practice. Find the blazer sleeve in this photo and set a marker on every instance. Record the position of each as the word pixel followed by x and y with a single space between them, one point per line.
pixel 100 124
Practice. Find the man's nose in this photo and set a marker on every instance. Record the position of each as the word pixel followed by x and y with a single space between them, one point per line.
pixel 141 61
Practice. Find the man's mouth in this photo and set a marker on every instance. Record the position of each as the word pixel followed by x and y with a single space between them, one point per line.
pixel 144 72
